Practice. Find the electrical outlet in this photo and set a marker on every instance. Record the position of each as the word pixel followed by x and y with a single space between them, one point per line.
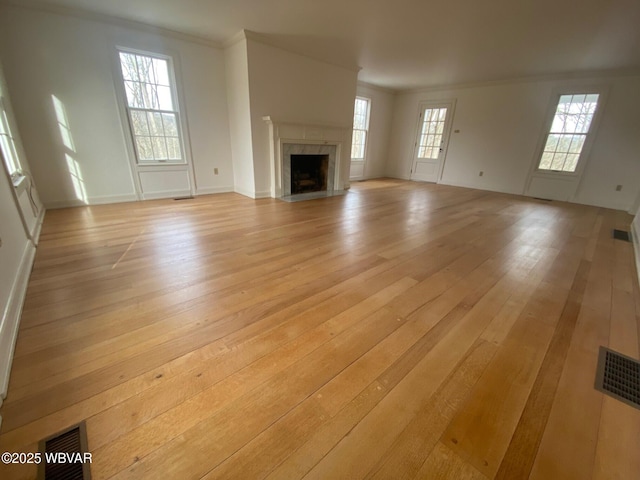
pixel 481 174
pixel 215 171
pixel 618 188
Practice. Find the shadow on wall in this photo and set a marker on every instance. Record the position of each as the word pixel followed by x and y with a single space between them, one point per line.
pixel 75 173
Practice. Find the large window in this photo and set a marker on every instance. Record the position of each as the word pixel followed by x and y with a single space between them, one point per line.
pixel 152 108
pixel 360 128
pixel 7 143
pixel 566 138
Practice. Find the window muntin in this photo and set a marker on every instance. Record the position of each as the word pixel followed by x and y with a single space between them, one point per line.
pixel 7 143
pixel 568 133
pixel 152 108
pixel 360 128
pixel 432 132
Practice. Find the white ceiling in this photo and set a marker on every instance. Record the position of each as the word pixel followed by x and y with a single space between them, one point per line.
pixel 413 43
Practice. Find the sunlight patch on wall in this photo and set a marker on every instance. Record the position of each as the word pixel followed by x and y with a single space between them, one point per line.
pixel 75 172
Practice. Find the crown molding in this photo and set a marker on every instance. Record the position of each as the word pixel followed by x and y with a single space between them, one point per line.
pixel 563 76
pixel 111 20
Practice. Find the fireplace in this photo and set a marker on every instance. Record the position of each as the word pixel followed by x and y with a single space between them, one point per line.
pixel 308 160
pixel 307 168
pixel 309 173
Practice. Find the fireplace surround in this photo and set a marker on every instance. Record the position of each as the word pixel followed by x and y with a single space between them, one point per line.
pixel 296 139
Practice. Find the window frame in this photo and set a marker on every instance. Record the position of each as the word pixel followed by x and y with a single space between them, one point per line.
pixel 602 92
pixel 365 130
pixel 178 110
pixel 12 162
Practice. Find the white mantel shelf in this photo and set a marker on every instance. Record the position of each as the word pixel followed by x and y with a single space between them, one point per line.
pixel 283 132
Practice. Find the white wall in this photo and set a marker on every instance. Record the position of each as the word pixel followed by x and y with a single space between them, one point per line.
pixel 380 116
pixel 239 108
pixel 500 126
pixel 292 87
pixel 47 55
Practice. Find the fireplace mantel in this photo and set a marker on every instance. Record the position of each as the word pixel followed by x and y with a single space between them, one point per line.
pixel 297 133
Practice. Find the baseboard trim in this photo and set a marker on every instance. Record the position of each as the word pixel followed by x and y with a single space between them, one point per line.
pixel 263 194
pixel 35 235
pixel 167 194
pixel 213 190
pixel 242 191
pixel 11 316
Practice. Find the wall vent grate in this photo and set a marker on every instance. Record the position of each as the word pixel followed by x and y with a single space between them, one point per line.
pixel 73 440
pixel 619 376
pixel 621 235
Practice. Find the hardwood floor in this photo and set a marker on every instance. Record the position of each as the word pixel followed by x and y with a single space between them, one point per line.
pixel 404 330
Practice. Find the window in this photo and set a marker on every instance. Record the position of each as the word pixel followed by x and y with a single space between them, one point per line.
pixel 152 108
pixel 360 128
pixel 568 133
pixel 432 132
pixel 7 143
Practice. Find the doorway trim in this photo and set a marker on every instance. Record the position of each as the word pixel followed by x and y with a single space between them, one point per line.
pixel 450 104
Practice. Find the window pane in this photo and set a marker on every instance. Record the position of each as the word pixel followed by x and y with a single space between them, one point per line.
pixel 155 124
pixel 129 66
pixel 552 143
pixel 546 160
pixel 173 148
pixel 162 71
pixel 8 152
pixel 144 148
pixel 145 69
pixel 576 144
pixel 134 94
pixel 170 124
pixel 558 161
pixel 165 102
pixel 159 148
pixel 150 96
pixel 139 123
pixel 571 163
pixel 563 144
pixel 558 123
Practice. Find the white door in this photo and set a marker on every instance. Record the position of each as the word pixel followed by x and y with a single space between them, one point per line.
pixel 434 124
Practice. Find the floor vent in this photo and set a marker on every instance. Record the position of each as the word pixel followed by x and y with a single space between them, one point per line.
pixel 543 199
pixel 619 377
pixel 184 198
pixel 621 235
pixel 63 455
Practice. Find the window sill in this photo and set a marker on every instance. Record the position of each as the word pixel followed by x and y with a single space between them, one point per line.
pixel 556 173
pixel 19 181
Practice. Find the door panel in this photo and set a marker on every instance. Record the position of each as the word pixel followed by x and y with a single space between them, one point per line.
pixel 431 144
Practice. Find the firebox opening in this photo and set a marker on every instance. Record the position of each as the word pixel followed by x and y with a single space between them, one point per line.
pixel 309 173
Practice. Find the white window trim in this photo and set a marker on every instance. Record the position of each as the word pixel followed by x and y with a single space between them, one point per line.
pixel 121 97
pixel 366 129
pixel 602 91
pixel 176 99
pixel 15 168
